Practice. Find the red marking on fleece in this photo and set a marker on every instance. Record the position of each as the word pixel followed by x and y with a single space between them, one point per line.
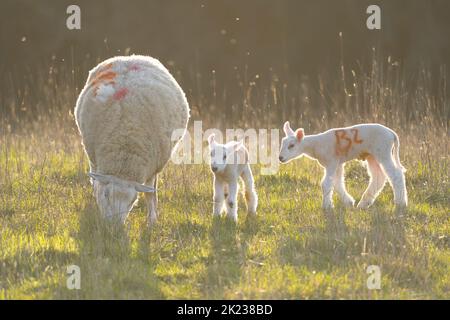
pixel 120 94
pixel 134 67
pixel 300 133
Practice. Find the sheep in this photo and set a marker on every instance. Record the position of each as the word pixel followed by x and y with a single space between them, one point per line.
pixel 373 143
pixel 126 114
pixel 228 163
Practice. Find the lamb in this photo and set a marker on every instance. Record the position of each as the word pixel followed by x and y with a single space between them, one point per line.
pixel 126 114
pixel 373 143
pixel 228 163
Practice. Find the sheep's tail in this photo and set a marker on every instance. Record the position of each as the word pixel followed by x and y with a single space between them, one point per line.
pixel 396 152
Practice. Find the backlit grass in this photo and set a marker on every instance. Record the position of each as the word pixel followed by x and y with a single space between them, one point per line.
pixel 49 220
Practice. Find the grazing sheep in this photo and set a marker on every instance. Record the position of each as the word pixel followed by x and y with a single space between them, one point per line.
pixel 374 143
pixel 126 114
pixel 228 163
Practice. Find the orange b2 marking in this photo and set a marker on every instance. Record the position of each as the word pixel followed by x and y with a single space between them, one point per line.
pixel 355 136
pixel 344 142
pixel 342 147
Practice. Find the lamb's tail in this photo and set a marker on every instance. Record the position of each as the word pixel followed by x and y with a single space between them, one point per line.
pixel 396 152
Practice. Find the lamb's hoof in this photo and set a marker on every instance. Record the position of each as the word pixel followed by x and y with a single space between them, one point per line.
pixel 400 210
pixel 232 217
pixel 152 219
pixel 364 205
pixel 401 205
pixel 349 202
pixel 327 206
pixel 251 215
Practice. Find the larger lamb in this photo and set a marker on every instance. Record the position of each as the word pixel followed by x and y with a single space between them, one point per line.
pixel 126 114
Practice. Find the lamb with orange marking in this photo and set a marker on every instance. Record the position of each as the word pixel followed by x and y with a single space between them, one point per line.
pixel 373 143
pixel 228 163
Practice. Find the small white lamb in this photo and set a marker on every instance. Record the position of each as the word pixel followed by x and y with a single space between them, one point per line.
pixel 228 163
pixel 374 143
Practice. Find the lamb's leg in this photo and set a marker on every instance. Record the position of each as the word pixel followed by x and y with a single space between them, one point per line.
pixel 250 193
pixel 397 180
pixel 219 188
pixel 376 184
pixel 232 200
pixel 327 187
pixel 152 202
pixel 339 185
pixel 225 191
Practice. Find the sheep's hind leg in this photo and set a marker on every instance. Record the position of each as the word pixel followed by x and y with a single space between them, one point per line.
pixel 152 202
pixel 339 185
pixel 376 184
pixel 250 193
pixel 397 180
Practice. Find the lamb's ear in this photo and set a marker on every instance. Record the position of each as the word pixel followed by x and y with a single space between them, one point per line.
pixel 237 145
pixel 99 177
pixel 143 188
pixel 287 129
pixel 212 139
pixel 300 133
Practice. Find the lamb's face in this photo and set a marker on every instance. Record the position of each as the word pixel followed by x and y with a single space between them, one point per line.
pixel 218 158
pixel 291 144
pixel 114 200
pixel 222 154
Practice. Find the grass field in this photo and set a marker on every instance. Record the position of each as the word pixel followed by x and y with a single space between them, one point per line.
pixel 293 250
pixel 48 220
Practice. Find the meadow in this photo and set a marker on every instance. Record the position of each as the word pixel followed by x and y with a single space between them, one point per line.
pixel 291 250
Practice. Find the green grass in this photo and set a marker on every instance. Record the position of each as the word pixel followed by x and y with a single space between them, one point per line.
pixel 292 250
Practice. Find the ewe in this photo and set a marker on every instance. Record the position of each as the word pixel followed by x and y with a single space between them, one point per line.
pixel 126 114
pixel 374 143
pixel 228 163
